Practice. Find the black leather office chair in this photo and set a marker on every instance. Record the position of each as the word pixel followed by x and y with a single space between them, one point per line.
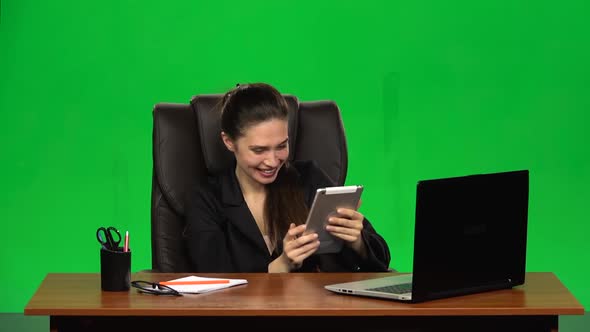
pixel 187 146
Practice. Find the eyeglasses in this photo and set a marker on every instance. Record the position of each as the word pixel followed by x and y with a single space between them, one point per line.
pixel 154 288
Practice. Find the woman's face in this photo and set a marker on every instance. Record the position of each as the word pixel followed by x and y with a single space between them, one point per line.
pixel 261 151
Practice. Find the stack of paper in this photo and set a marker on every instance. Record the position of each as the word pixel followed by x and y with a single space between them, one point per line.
pixel 195 285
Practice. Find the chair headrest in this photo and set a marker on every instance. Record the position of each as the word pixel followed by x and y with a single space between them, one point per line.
pixel 208 113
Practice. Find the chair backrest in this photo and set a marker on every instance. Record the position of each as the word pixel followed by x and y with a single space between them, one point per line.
pixel 187 147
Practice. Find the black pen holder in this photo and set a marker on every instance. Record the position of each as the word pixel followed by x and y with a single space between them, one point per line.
pixel 115 270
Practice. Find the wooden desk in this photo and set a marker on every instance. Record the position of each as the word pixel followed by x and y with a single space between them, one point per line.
pixel 294 302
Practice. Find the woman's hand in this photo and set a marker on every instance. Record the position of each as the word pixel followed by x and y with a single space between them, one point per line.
pixel 348 226
pixel 297 246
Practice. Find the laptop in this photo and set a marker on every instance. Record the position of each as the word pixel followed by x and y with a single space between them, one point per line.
pixel 470 236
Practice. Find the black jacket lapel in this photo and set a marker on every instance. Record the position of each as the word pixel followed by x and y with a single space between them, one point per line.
pixel 236 209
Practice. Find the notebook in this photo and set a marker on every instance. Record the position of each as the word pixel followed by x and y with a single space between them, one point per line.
pixel 470 236
pixel 198 285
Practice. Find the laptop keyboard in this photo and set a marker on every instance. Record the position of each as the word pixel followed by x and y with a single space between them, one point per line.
pixel 394 289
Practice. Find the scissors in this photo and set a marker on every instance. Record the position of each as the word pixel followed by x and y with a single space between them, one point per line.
pixel 108 237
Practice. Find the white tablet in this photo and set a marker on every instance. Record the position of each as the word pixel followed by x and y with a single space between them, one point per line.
pixel 326 202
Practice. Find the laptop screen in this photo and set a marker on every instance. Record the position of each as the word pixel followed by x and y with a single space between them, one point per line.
pixel 470 233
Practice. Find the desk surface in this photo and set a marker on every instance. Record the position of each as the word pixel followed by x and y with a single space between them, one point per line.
pixel 289 294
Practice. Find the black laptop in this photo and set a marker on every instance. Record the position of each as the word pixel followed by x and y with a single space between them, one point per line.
pixel 470 236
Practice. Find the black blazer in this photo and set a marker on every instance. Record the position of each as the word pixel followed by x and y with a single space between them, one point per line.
pixel 221 234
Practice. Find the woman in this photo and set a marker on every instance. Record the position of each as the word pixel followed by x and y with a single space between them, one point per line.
pixel 251 218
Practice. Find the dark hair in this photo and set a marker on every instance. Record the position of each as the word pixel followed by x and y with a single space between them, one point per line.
pixel 251 104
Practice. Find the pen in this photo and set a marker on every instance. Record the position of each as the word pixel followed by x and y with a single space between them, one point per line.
pixel 194 282
pixel 126 246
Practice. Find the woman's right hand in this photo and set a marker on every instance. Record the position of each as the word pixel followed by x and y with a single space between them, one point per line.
pixel 297 246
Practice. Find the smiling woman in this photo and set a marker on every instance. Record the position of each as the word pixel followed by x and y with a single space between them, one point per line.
pixel 251 218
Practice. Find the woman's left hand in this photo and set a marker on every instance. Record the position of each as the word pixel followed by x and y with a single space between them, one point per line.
pixel 348 226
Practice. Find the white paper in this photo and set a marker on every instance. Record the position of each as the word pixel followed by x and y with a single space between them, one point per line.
pixel 196 289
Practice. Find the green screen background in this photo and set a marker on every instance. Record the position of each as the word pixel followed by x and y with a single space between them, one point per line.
pixel 426 89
